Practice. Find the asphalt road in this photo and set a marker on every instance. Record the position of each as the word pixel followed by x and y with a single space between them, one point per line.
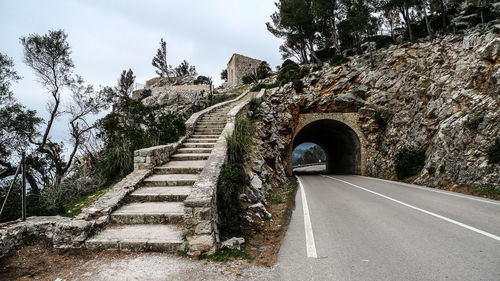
pixel 369 229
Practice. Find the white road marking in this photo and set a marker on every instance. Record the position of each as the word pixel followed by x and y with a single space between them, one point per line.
pixel 310 245
pixel 450 193
pixel 423 211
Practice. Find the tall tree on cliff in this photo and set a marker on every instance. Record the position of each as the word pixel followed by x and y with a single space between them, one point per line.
pixel 185 70
pixel 294 22
pixel 326 14
pixel 404 7
pixel 160 61
pixel 359 23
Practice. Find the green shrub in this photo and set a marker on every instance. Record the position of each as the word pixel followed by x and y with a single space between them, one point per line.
pixel 263 70
pixel 494 152
pixel 316 68
pixel 473 122
pixel 338 59
pixel 254 104
pixel 442 169
pixel 239 144
pixel 431 170
pixel 275 197
pixel 298 85
pixel 381 41
pixel 380 120
pixel 247 79
pixel 260 86
pixel 136 126
pixel 409 162
pixel 233 178
pixel 288 72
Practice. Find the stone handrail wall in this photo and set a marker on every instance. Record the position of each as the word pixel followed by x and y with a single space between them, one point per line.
pixel 149 157
pixel 69 232
pixel 200 208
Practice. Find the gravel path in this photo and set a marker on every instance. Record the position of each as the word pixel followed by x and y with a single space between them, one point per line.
pixel 156 266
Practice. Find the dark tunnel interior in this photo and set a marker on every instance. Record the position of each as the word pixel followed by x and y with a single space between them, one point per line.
pixel 340 143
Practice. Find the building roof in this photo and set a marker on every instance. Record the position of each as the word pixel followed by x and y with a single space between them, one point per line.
pixel 235 54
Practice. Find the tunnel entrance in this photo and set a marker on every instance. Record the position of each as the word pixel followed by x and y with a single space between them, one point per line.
pixel 340 143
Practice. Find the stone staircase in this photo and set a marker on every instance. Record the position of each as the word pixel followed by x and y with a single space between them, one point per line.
pixel 151 219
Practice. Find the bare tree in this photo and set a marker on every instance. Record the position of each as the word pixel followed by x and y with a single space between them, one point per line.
pixel 86 102
pixel 49 57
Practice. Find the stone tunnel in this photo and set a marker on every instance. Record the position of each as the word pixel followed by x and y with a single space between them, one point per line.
pixel 338 134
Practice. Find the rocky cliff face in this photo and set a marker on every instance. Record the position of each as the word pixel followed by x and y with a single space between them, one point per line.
pixel 423 92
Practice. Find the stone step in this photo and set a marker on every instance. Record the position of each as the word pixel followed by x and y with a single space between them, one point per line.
pixel 203 140
pixel 190 156
pixel 201 127
pixel 149 213
pixel 215 135
pixel 181 167
pixel 210 123
pixel 161 193
pixel 194 150
pixel 208 131
pixel 198 144
pixel 205 136
pixel 170 180
pixel 213 119
pixel 140 237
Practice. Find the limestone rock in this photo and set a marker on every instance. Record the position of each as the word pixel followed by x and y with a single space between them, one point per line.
pixel 234 242
pixel 491 51
pixel 260 210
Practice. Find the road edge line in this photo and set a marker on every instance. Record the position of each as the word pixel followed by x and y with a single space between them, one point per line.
pixel 310 244
pixel 440 191
pixel 493 236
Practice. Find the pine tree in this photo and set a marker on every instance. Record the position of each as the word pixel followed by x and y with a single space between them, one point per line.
pixel 160 61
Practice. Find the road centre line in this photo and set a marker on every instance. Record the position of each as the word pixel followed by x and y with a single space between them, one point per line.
pixel 450 193
pixel 422 210
pixel 310 245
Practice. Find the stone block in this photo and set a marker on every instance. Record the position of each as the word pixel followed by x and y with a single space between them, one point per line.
pixel 201 243
pixel 204 227
pixel 203 213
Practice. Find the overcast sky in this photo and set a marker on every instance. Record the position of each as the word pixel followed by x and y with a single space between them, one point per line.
pixel 108 36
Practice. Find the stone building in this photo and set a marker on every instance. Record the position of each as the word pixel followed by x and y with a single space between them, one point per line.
pixel 239 66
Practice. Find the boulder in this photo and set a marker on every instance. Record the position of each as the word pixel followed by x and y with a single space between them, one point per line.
pixel 234 243
pixel 490 51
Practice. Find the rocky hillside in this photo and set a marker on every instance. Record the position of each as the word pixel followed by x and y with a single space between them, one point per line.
pixel 440 96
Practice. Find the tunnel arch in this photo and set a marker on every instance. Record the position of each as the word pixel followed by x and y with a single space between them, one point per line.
pixel 338 135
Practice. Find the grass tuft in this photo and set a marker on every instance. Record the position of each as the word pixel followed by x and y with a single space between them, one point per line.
pixel 226 254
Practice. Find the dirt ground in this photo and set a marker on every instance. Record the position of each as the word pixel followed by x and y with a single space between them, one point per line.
pixel 464 189
pixel 42 262
pixel 267 236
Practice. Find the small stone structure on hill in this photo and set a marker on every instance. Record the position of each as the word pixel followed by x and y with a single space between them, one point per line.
pixel 177 94
pixel 239 66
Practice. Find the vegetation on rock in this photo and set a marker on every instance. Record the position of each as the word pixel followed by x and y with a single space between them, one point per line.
pixel 233 178
pixel 409 162
pixel 317 31
pixel 494 152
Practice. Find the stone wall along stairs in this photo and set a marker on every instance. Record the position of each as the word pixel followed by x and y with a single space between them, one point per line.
pixel 151 219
